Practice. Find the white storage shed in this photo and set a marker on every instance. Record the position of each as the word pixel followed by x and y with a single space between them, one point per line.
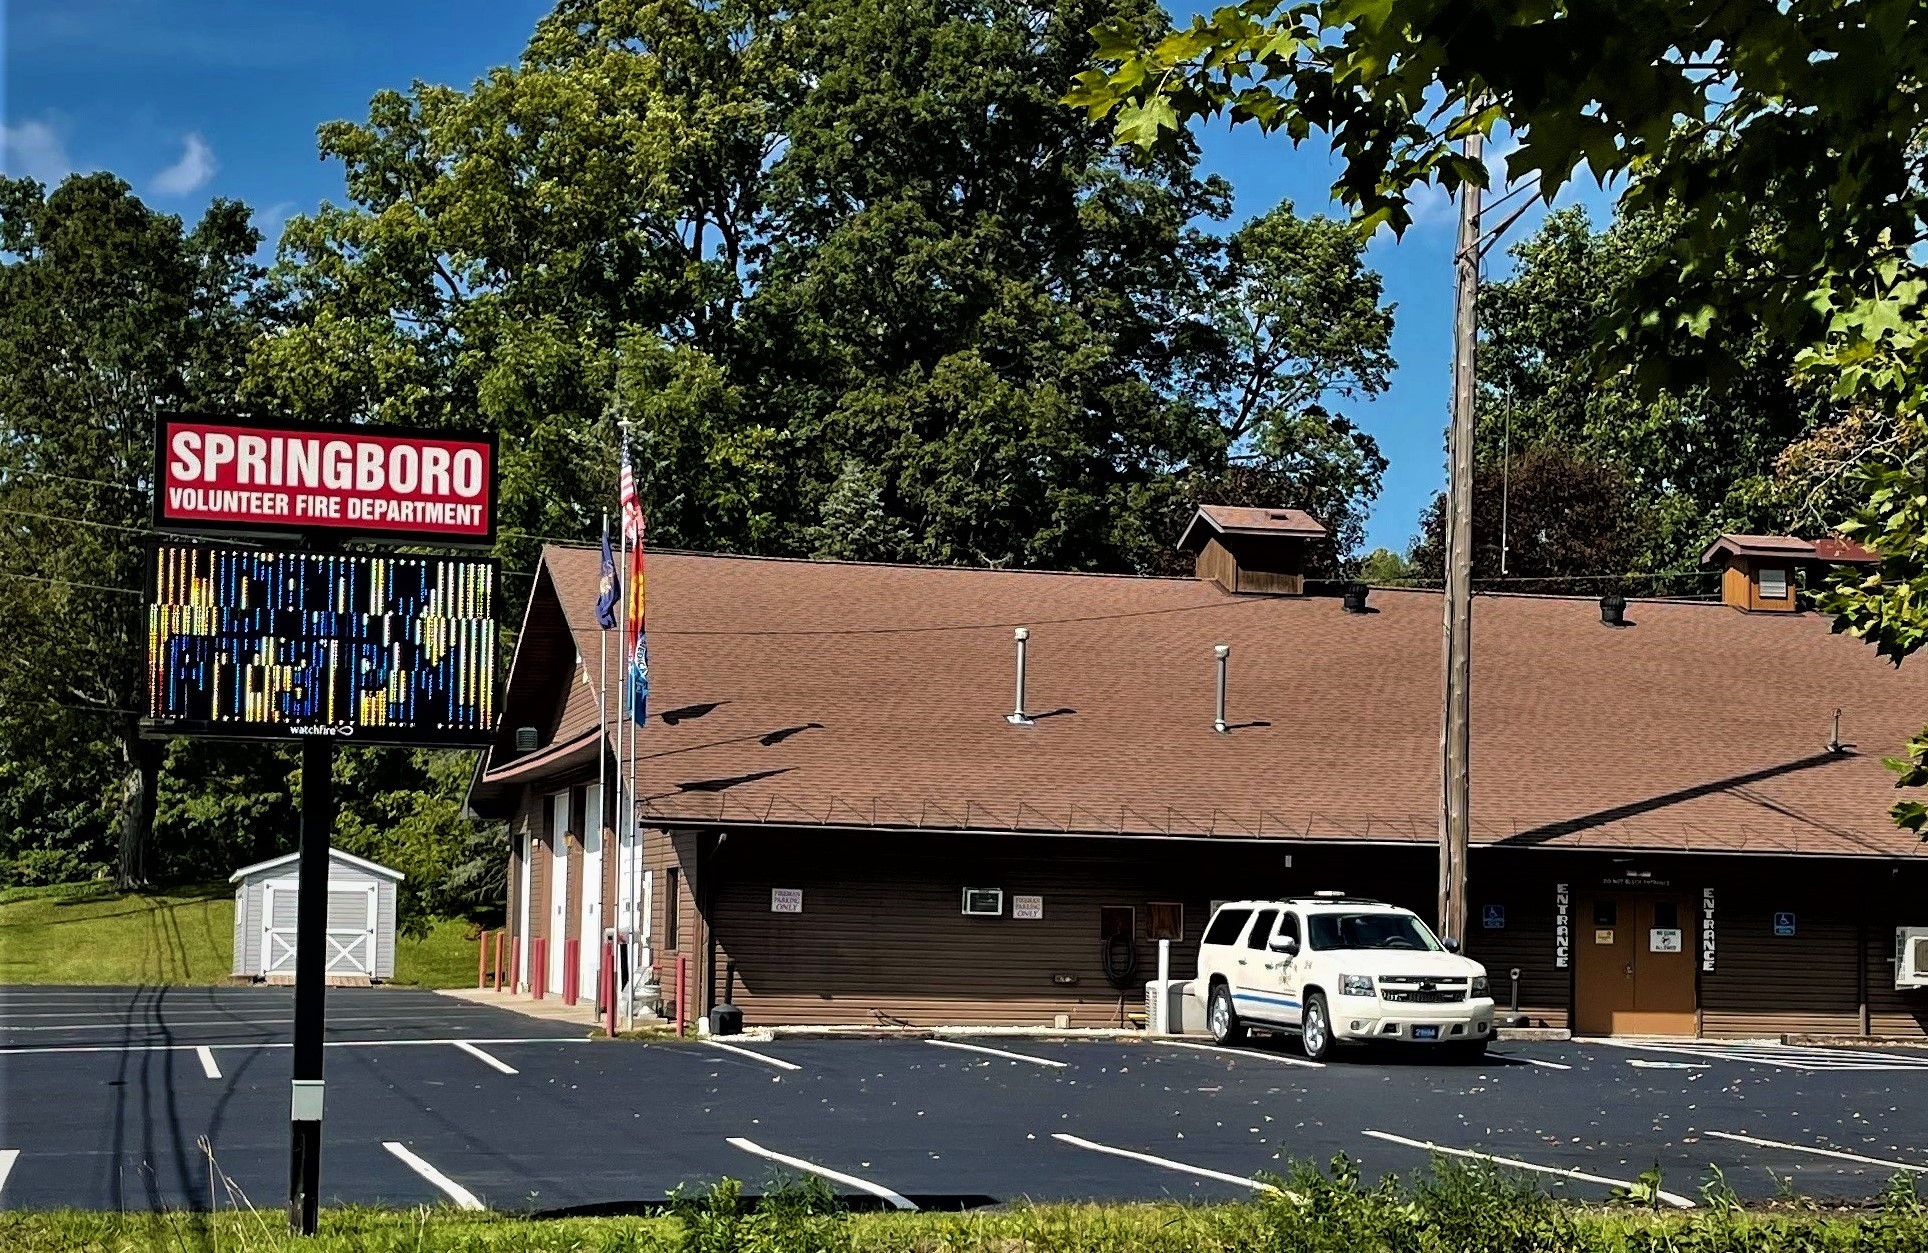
pixel 361 919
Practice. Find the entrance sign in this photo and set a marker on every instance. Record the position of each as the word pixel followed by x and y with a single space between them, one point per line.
pixel 1707 931
pixel 1562 926
pixel 361 481
pixel 1783 923
pixel 257 644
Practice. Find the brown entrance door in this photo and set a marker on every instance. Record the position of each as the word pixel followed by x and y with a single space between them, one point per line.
pixel 1634 966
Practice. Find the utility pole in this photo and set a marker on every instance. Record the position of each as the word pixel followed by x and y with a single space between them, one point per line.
pixel 1455 737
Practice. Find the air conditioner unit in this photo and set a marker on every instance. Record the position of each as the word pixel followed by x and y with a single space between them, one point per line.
pixel 526 739
pixel 984 902
pixel 1911 957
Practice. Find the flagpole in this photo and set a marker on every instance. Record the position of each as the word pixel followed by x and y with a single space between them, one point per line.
pixel 627 787
pixel 602 781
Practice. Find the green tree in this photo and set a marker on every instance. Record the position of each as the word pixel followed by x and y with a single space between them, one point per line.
pixel 835 261
pixel 109 313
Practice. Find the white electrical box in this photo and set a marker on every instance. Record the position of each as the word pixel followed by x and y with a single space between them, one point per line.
pixel 1911 957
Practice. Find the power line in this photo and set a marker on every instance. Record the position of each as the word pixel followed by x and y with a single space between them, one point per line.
pixel 54 517
pixel 68 478
pixel 92 587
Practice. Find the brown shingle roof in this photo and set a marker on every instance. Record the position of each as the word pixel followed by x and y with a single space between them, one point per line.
pixel 856 695
pixel 1759 546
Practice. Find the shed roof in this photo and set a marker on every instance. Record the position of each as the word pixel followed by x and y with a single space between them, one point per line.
pixel 334 854
pixel 1241 520
pixel 1788 546
pixel 799 694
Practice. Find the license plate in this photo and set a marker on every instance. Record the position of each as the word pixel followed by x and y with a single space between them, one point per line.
pixel 1425 1033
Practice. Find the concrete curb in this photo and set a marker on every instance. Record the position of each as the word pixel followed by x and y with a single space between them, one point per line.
pixel 1529 1034
pixel 1856 1041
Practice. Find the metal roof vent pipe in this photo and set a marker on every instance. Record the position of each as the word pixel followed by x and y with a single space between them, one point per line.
pixel 1017 717
pixel 1613 610
pixel 1224 654
pixel 1356 594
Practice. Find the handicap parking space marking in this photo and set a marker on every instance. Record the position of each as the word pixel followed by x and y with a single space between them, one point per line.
pixel 1818 1151
pixel 463 1198
pixel 895 1200
pixel 1672 1198
pixel 208 1067
pixel 1255 1054
pixel 1780 1056
pixel 1016 1057
pixel 765 1058
pixel 1166 1163
pixel 7 1158
pixel 488 1058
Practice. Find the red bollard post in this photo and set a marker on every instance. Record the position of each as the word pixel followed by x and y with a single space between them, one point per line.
pixel 609 985
pixel 571 971
pixel 682 984
pixel 499 937
pixel 538 965
pixel 482 961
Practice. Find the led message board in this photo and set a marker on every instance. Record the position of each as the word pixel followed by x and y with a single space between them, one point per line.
pixel 261 644
pixel 370 481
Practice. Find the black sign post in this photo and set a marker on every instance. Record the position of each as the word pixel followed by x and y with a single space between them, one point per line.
pixel 311 982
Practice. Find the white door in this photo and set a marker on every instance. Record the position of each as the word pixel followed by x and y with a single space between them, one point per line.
pixel 349 937
pixel 278 905
pixel 558 887
pixel 592 894
pixel 525 915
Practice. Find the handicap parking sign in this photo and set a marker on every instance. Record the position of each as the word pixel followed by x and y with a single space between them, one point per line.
pixel 1493 917
pixel 1783 923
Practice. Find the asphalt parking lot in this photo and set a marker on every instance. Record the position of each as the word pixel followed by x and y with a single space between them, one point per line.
pixel 162 1098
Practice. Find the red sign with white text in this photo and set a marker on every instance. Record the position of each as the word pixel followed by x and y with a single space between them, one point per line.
pixel 358 480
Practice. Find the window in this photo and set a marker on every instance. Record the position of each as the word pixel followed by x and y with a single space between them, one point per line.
pixel 672 908
pixel 1226 924
pixel 984 902
pixel 1289 926
pixel 1262 928
pixel 1666 915
pixel 1362 931
pixel 1165 920
pixel 1773 583
pixel 1606 913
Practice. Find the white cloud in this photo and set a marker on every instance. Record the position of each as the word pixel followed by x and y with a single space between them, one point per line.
pixel 191 172
pixel 34 149
pixel 1430 204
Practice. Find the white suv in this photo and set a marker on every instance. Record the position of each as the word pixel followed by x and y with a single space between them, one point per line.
pixel 1336 968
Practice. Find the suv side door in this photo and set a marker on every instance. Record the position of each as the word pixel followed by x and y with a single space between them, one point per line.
pixel 1289 970
pixel 1256 991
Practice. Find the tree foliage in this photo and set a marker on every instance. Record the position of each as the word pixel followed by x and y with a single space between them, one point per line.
pixel 842 265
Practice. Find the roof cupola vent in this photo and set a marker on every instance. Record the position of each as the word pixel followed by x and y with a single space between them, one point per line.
pixel 1253 552
pixel 1355 597
pixel 1757 571
pixel 1613 610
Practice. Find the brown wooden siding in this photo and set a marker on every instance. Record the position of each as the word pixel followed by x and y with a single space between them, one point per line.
pixel 1524 890
pixel 882 937
pixel 1255 565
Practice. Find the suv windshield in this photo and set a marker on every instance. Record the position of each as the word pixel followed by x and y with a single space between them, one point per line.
pixel 1378 930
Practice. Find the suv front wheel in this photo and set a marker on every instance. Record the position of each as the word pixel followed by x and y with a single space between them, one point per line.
pixel 1315 1029
pixel 1221 1019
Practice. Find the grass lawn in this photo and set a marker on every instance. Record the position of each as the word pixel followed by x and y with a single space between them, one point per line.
pixel 88 933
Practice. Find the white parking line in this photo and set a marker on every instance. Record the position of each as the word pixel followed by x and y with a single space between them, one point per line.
pixel 1166 1162
pixel 979 1048
pixel 1818 1152
pixel 1672 1198
pixel 1784 1056
pixel 1515 1059
pixel 1280 1058
pixel 765 1058
pixel 282 1044
pixel 496 1062
pixel 463 1198
pixel 837 1176
pixel 208 1067
pixel 7 1158
pixel 1647 1063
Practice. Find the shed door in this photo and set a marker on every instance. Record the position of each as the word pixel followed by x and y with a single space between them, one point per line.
pixel 279 903
pixel 350 937
pixel 558 887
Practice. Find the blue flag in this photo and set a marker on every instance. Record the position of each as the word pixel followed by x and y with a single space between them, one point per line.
pixel 612 592
pixel 639 682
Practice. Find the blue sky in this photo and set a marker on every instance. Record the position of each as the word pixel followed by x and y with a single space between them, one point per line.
pixel 191 100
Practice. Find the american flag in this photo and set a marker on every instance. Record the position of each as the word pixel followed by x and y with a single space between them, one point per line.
pixel 632 509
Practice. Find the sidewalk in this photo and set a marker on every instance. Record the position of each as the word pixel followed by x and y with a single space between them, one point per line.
pixel 548 1009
